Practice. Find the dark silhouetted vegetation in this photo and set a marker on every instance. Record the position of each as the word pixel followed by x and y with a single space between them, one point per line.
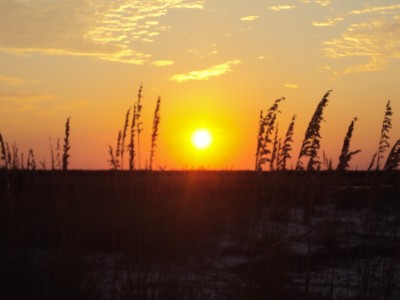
pixel 154 135
pixel 297 234
pixel 384 138
pixel 346 154
pixel 67 147
pixel 312 138
pixel 265 131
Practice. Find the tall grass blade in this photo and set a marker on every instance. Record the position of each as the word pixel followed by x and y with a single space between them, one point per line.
pixel 31 164
pixel 154 135
pixel 3 156
pixel 384 138
pixel 124 131
pixel 8 155
pixel 118 150
pixel 266 129
pixel 15 156
pixel 346 154
pixel 287 145
pixel 112 160
pixel 139 123
pixel 393 160
pixel 131 145
pixel 51 154
pixel 58 156
pixel 312 138
pixel 275 152
pixel 260 141
pixel 67 146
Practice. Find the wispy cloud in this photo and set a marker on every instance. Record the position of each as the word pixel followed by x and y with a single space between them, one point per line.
pixel 319 2
pixel 291 85
pixel 12 102
pixel 118 55
pixel 162 63
pixel 328 22
pixel 281 7
pixel 265 57
pixel 7 80
pixel 376 10
pixel 377 41
pixel 214 71
pixel 249 18
pixel 323 2
pixel 371 10
pixel 40 104
pixel 107 30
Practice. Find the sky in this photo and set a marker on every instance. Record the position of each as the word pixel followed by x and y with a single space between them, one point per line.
pixel 214 63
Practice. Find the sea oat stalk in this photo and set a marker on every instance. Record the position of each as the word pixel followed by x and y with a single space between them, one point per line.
pixel 154 135
pixel 3 152
pixel 346 154
pixel 31 164
pixel 118 150
pixel 131 145
pixel 287 145
pixel 266 129
pixel 139 123
pixel 311 143
pixel 112 161
pixel 124 131
pixel 275 152
pixel 384 139
pixel 51 154
pixel 393 160
pixel 67 146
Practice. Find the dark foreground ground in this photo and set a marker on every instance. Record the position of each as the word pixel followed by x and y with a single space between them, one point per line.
pixel 199 235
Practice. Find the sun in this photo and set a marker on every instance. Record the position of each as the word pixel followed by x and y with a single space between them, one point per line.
pixel 201 139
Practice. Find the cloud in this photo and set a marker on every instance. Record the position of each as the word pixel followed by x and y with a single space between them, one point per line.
pixel 265 57
pixel 162 63
pixel 249 18
pixel 320 2
pixel 291 86
pixel 328 22
pixel 41 104
pixel 376 40
pixel 122 55
pixel 376 10
pixel 281 7
pixel 12 102
pixel 323 2
pixel 103 29
pixel 6 80
pixel 214 71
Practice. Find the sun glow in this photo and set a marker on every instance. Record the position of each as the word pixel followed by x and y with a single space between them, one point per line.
pixel 201 139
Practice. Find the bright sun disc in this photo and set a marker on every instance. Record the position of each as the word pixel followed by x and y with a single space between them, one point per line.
pixel 201 139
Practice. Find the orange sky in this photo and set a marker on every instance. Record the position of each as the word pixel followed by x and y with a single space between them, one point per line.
pixel 215 63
